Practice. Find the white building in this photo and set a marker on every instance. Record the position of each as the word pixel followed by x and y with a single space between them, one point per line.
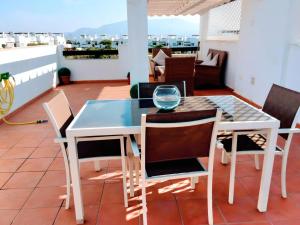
pixel 10 40
pixel 22 39
pixel 2 40
pixel 59 39
pixel 43 38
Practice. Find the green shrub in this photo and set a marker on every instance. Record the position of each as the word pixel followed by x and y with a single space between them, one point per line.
pixel 107 43
pixel 134 91
pixel 36 44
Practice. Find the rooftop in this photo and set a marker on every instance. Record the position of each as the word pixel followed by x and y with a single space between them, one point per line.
pixel 32 179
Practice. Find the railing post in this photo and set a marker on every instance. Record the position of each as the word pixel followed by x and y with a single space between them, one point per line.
pixel 204 21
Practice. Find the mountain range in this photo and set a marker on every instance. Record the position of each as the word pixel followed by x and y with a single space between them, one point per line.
pixel 165 26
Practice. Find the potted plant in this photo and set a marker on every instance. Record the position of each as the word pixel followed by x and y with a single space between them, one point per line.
pixel 134 91
pixel 64 75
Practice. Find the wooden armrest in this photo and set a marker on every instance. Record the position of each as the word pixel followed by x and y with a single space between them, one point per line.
pixel 198 61
pixel 155 64
pixel 288 131
pixel 199 66
pixel 134 146
pixel 60 140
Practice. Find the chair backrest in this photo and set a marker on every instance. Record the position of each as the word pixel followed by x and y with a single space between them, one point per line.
pixel 181 69
pixel 145 90
pixel 60 113
pixel 167 51
pixel 180 135
pixel 222 56
pixel 283 104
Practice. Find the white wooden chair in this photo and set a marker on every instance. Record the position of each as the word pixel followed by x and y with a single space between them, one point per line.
pixel 88 148
pixel 168 154
pixel 145 91
pixel 281 103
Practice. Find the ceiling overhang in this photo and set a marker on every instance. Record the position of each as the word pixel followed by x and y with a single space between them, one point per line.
pixel 182 7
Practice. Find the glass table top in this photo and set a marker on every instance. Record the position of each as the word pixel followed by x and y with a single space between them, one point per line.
pixel 125 113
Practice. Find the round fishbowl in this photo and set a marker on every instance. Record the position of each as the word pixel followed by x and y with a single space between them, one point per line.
pixel 166 97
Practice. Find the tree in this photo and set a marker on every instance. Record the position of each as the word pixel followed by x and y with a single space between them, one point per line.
pixel 107 43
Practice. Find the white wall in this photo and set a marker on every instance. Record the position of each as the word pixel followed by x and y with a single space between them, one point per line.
pixel 98 69
pixel 34 70
pixel 292 78
pixel 265 53
pixel 262 44
pixel 291 70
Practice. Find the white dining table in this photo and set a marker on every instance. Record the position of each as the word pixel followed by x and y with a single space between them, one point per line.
pixel 123 117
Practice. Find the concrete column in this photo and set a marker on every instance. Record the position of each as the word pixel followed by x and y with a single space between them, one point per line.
pixel 293 40
pixel 204 22
pixel 137 18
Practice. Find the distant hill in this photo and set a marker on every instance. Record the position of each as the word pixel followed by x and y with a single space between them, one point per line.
pixel 155 27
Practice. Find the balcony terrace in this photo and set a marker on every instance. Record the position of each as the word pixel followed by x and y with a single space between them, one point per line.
pixel 32 179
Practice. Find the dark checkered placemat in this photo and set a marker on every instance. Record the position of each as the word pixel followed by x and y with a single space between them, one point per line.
pixel 233 109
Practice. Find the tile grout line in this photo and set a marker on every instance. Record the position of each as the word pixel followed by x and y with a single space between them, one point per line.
pixel 179 211
pixel 221 213
pixel 22 207
pixel 60 207
pixel 2 187
pixel 99 208
pixel 20 210
pixel 13 173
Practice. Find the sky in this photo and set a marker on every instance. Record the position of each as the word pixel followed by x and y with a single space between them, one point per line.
pixel 61 15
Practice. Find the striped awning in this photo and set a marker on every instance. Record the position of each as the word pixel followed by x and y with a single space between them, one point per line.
pixel 182 7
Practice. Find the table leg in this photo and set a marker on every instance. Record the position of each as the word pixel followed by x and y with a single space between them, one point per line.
pixel 76 183
pixel 267 169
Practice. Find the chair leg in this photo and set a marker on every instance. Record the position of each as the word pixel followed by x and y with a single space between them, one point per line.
pixel 68 185
pixel 232 170
pixel 209 200
pixel 131 184
pixel 68 178
pixel 137 171
pixel 256 161
pixel 283 175
pixel 144 203
pixel 124 173
pixel 193 182
pixel 224 158
pixel 97 165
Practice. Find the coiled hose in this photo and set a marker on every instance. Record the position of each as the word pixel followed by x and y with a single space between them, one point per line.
pixel 7 96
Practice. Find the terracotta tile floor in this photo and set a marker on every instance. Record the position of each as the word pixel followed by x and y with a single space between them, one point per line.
pixel 32 180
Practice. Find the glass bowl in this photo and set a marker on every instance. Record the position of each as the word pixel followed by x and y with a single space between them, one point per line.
pixel 166 97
